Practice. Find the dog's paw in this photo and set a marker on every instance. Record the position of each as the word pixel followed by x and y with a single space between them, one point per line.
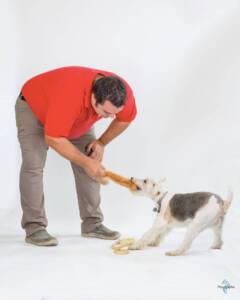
pixel 136 246
pixel 173 253
pixel 216 247
pixel 153 244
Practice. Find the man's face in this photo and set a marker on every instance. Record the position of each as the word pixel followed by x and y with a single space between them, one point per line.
pixel 105 110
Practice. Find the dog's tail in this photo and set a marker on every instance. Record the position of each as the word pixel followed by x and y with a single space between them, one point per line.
pixel 228 201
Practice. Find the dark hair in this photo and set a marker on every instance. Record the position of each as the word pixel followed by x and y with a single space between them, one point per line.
pixel 109 88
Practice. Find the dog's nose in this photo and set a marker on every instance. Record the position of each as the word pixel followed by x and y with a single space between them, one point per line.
pixel 131 178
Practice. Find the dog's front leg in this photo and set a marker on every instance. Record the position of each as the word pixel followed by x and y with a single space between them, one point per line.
pixel 145 239
pixel 160 237
pixel 151 237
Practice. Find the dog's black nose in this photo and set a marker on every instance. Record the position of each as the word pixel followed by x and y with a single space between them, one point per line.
pixel 131 178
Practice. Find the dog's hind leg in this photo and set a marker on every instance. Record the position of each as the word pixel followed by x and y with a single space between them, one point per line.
pixel 203 219
pixel 192 231
pixel 217 230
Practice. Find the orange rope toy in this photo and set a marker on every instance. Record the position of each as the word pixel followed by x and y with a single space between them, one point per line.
pixel 119 180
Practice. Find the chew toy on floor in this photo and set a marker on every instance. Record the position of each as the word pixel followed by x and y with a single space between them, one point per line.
pixel 120 180
pixel 121 247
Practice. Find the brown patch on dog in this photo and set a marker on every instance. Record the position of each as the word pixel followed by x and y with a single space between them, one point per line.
pixel 225 207
pixel 185 206
pixel 168 216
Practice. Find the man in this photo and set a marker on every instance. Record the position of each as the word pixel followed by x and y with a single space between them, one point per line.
pixel 57 109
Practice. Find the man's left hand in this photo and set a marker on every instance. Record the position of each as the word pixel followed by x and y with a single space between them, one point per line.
pixel 95 150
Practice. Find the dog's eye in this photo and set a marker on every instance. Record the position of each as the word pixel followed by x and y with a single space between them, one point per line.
pixel 158 193
pixel 154 184
pixel 145 181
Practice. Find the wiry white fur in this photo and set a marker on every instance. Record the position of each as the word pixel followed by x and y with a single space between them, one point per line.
pixel 211 215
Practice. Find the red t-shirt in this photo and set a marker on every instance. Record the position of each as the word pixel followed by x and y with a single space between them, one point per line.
pixel 61 100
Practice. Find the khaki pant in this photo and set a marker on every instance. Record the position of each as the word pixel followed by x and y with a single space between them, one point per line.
pixel 34 153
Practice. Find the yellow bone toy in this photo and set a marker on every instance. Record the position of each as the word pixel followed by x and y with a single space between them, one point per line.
pixel 121 246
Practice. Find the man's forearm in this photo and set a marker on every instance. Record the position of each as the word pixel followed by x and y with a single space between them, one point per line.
pixel 114 129
pixel 67 150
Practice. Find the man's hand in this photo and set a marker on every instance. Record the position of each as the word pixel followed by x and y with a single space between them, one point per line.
pixel 95 150
pixel 93 168
pixel 65 148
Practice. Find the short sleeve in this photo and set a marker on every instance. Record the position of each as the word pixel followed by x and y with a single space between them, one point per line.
pixel 60 117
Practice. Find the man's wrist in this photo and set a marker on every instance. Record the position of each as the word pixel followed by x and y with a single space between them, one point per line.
pixel 99 141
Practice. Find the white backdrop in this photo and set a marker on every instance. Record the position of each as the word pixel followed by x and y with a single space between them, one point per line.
pixel 181 59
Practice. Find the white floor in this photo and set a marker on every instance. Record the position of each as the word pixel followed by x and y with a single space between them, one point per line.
pixel 86 269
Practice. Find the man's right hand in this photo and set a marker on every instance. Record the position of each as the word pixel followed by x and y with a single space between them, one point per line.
pixel 63 146
pixel 93 168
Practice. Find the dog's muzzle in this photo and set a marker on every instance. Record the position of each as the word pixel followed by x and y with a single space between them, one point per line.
pixel 132 180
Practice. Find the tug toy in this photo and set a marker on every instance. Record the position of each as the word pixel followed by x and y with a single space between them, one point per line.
pixel 128 183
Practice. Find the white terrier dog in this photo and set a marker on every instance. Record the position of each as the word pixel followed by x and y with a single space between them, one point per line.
pixel 198 211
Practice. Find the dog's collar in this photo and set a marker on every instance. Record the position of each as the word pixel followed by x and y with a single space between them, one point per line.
pixel 158 206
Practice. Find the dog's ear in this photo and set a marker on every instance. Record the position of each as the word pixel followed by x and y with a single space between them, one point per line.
pixel 162 180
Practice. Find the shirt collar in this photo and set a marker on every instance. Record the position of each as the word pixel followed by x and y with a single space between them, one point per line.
pixel 87 93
